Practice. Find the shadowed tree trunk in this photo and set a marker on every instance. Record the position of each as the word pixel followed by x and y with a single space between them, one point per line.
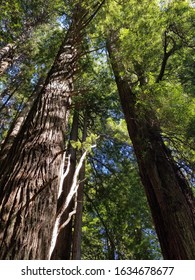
pixel 68 242
pixel 76 244
pixel 31 171
pixel 62 249
pixel 18 121
pixel 170 198
pixel 63 244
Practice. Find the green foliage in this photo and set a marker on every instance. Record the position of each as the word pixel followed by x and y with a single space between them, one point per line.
pixel 87 145
pixel 17 17
pixel 118 130
pixel 36 41
pixel 116 220
pixel 147 32
pixel 10 19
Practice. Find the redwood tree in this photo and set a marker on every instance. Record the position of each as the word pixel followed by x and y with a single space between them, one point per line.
pixel 169 195
pixel 31 171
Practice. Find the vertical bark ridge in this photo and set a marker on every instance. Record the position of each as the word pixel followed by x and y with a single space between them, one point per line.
pixel 170 198
pixel 30 173
pixel 33 163
pixel 62 249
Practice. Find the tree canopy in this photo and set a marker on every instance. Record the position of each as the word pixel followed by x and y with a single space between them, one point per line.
pixel 153 43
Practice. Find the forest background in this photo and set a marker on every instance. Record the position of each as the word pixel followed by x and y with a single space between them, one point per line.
pixel 97 129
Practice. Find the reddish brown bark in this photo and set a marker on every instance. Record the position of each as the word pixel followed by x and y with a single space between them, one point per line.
pixel 31 171
pixel 170 198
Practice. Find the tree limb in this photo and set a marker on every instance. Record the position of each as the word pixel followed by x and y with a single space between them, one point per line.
pixel 166 56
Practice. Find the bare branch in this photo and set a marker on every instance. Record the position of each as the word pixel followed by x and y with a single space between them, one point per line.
pixel 74 187
pixel 166 55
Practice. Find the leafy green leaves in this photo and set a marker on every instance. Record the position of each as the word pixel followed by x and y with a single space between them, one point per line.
pixel 116 221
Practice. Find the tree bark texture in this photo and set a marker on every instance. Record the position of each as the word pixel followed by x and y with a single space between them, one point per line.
pixel 18 121
pixel 63 246
pixel 76 243
pixel 31 171
pixel 170 198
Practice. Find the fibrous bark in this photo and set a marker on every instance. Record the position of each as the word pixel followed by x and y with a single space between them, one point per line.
pixel 62 248
pixel 31 171
pixel 170 198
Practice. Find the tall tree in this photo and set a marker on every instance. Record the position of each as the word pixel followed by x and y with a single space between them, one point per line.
pixel 31 184
pixel 32 169
pixel 169 195
pixel 148 60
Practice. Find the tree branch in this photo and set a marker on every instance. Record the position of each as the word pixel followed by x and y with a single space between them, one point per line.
pixel 166 56
pixel 98 7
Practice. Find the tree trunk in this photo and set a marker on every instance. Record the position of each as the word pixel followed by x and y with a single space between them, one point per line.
pixel 5 51
pixel 170 198
pixel 6 56
pixel 31 172
pixel 18 121
pixel 62 249
pixel 76 244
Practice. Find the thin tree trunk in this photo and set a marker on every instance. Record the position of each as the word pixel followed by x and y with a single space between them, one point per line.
pixel 170 198
pixel 18 121
pixel 62 249
pixel 76 244
pixel 5 51
pixel 63 246
pixel 6 55
pixel 30 174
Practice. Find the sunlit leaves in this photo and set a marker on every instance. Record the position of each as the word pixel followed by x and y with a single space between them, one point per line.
pixel 116 221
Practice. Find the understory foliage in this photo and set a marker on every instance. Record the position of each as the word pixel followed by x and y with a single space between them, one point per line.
pixel 156 43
